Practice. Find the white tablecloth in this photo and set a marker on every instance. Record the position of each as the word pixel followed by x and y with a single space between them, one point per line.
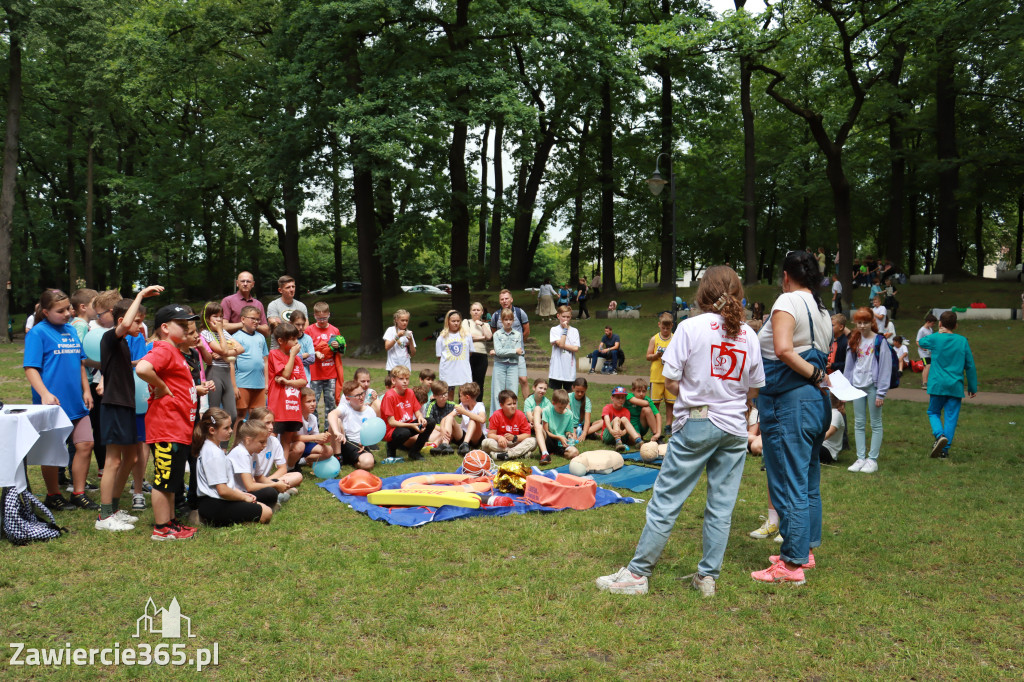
pixel 36 436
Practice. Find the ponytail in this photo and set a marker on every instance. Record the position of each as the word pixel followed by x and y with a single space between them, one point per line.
pixel 720 291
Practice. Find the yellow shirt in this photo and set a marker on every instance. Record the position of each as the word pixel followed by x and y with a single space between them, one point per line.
pixel 657 366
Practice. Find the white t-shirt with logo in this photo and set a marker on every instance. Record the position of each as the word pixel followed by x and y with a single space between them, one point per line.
pixel 477 409
pixel 268 461
pixel 398 354
pixel 310 425
pixel 242 462
pixel 798 304
pixel 213 468
pixel 713 370
pixel 453 351
pixel 563 362
pixel 352 421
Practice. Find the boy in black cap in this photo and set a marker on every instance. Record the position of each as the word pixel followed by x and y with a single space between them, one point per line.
pixel 171 416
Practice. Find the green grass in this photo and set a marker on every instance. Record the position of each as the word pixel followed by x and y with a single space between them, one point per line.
pixel 919 576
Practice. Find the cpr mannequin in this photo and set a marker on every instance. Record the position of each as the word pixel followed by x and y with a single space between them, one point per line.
pixel 595 462
pixel 652 451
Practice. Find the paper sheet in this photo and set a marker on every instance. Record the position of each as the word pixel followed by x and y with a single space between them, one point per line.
pixel 843 389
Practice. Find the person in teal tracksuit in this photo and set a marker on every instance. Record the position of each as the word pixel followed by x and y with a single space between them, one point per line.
pixel 951 358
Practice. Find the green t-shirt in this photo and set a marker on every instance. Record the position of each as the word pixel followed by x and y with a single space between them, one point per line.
pixel 634 410
pixel 574 407
pixel 531 403
pixel 559 424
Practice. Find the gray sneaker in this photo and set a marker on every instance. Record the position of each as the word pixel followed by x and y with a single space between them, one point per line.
pixel 622 582
pixel 937 447
pixel 704 584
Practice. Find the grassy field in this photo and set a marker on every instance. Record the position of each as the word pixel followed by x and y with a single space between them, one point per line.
pixel 919 577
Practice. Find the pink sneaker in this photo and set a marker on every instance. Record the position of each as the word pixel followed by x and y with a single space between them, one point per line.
pixel 775 558
pixel 778 573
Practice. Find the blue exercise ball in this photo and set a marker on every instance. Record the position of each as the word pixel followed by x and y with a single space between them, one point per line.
pixel 91 343
pixel 326 468
pixel 373 431
pixel 141 395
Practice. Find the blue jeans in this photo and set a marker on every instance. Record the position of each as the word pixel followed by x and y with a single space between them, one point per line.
pixel 698 445
pixel 937 404
pixel 611 358
pixel 793 424
pixel 324 388
pixel 503 376
pixel 862 409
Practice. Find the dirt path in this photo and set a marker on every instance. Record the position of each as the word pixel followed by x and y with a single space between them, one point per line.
pixel 912 394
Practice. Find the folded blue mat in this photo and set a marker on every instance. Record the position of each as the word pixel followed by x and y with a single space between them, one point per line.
pixel 635 478
pixel 417 516
pixel 635 457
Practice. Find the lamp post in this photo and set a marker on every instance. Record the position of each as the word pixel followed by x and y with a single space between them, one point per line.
pixel 656 183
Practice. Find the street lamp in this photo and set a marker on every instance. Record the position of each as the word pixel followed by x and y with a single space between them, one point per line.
pixel 656 183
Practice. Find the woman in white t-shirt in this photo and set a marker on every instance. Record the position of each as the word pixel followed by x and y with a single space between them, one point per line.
pixel 546 300
pixel 453 347
pixel 479 329
pixel 565 342
pixel 795 414
pixel 713 364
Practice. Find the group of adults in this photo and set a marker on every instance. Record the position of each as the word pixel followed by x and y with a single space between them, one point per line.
pixel 550 299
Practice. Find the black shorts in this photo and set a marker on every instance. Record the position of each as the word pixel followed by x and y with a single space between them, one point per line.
pixel 350 453
pixel 169 460
pixel 555 446
pixel 217 512
pixel 267 496
pixel 556 384
pixel 287 427
pixel 117 425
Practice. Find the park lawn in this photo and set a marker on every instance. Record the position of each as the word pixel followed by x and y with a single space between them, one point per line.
pixel 918 577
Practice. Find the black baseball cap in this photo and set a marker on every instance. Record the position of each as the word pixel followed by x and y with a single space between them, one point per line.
pixel 174 312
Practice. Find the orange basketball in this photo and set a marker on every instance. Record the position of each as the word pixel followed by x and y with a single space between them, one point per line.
pixel 476 462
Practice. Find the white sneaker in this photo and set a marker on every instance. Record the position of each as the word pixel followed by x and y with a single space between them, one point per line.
pixel 767 530
pixel 857 466
pixel 125 517
pixel 778 538
pixel 113 523
pixel 622 582
pixel 703 584
pixel 870 467
pixel 138 502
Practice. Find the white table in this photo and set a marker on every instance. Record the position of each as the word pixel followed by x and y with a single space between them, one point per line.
pixel 35 436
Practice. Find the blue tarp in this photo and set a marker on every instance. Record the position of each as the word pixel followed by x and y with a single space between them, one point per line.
pixel 417 516
pixel 635 457
pixel 636 478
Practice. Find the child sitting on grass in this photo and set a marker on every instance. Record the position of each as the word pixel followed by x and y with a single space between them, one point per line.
pixel 427 379
pixel 310 445
pixel 346 425
pixel 221 503
pixel 440 414
pixel 470 419
pixel 559 431
pixel 508 432
pixel 271 463
pixel 252 443
pixel 828 451
pixel 617 426
pixel 533 408
pixel 579 405
pixel 643 414
pixel 400 410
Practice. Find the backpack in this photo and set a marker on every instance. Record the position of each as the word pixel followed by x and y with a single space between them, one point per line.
pixel 20 520
pixel 563 296
pixel 894 368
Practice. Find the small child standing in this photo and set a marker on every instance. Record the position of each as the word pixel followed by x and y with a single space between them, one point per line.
pixel 558 428
pixel 951 358
pixel 221 501
pixel 310 445
pixel 926 355
pixel 346 425
pixel 287 380
pixel 400 410
pixel 508 348
pixel 616 422
pixel 508 432
pixel 399 342
pixel 655 352
pixel 565 341
pixel 323 372
pixel 250 365
pixel 308 354
pixel 170 420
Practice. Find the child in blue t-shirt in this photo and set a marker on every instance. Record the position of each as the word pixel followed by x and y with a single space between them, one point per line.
pixel 53 367
pixel 250 368
pixel 951 359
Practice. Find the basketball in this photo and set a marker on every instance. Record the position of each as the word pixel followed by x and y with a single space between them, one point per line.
pixel 649 451
pixel 476 462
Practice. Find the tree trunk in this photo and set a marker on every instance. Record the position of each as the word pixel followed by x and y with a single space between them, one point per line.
pixel 667 128
pixel 529 182
pixel 371 328
pixel 749 173
pixel 339 234
pixel 929 257
pixel 290 196
pixel 841 205
pixel 979 244
pixel 912 234
pixel 459 215
pixel 69 209
pixel 481 239
pixel 607 181
pixel 1020 229
pixel 947 261
pixel 90 280
pixel 577 207
pixel 10 160
pixel 494 258
pixel 897 169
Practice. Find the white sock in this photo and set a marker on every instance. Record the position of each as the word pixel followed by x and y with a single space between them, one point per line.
pixel 773 517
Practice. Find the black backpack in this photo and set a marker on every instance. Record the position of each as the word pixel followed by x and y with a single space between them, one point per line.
pixel 894 367
pixel 24 519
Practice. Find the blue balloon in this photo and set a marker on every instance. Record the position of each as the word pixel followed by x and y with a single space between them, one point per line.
pixel 373 431
pixel 679 301
pixel 91 343
pixel 326 468
pixel 141 395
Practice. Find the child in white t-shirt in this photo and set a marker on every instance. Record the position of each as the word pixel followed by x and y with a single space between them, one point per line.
pixel 833 443
pixel 311 445
pixel 565 342
pixel 345 424
pixel 271 465
pixel 399 342
pixel 902 353
pixel 251 441
pixel 926 355
pixel 470 419
pixel 221 502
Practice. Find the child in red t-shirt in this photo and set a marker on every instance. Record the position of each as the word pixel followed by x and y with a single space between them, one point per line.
pixel 170 419
pixel 401 411
pixel 616 421
pixel 287 380
pixel 323 373
pixel 508 431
